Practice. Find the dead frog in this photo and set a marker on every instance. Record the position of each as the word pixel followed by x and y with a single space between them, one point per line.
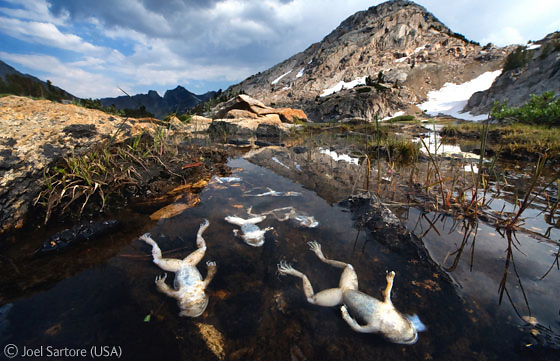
pixel 189 288
pixel 250 232
pixel 378 316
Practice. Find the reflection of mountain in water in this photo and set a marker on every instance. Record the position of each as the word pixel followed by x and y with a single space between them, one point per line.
pixel 331 175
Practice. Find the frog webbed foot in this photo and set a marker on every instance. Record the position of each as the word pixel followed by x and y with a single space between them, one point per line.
pixel 315 247
pixel 161 279
pixel 284 268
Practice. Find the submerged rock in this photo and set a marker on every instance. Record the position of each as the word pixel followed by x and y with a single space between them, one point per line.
pixel 76 234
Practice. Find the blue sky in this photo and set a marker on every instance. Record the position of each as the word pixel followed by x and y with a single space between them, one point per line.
pixel 92 47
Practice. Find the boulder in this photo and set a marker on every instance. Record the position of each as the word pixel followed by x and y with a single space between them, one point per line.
pixel 243 107
pixel 290 115
pixel 245 116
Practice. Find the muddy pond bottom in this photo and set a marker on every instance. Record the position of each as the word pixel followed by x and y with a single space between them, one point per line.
pixel 113 307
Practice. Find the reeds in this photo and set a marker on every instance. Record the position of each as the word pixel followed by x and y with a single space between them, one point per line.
pixel 106 169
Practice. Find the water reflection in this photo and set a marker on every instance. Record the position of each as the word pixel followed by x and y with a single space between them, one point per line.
pixel 487 262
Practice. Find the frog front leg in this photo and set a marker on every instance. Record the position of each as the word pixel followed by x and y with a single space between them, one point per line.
pixel 211 273
pixel 354 324
pixel 164 288
pixel 387 291
pixel 327 298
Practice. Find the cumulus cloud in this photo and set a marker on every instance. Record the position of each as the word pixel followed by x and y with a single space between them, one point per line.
pixel 67 76
pixel 153 44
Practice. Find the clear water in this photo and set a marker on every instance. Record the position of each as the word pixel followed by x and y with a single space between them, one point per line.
pixel 100 293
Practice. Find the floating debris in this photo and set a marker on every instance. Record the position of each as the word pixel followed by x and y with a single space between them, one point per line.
pixel 251 233
pixel 175 209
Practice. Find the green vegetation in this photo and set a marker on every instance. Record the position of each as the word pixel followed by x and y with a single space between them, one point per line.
pixel 403 118
pixel 377 83
pixel 517 59
pixel 184 118
pixel 463 38
pixel 141 112
pixel 540 110
pixel 15 84
pixel 112 169
pixel 515 140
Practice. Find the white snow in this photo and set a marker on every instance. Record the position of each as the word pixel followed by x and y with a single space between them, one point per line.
pixel 342 157
pixel 300 73
pixel 531 46
pixel 471 168
pixel 345 85
pixel 416 51
pixel 452 98
pixel 397 114
pixel 280 77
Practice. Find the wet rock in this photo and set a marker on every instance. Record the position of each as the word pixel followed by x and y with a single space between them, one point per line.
pixel 76 234
pixel 213 338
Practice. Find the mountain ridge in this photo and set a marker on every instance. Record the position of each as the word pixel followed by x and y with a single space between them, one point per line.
pixel 15 82
pixel 178 100
pixel 397 42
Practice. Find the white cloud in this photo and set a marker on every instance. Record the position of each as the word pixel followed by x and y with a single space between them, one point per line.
pixel 176 42
pixel 45 34
pixel 504 36
pixel 66 76
pixel 37 10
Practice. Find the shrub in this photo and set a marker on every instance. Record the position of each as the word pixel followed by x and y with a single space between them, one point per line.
pixel 402 118
pixel 364 89
pixel 540 109
pixel 520 57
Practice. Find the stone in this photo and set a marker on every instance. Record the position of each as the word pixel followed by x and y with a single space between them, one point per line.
pixel 290 115
pixel 37 133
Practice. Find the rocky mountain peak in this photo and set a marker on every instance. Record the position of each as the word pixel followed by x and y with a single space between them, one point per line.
pixel 398 42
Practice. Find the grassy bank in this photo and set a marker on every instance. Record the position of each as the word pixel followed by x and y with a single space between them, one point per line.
pixel 142 165
pixel 516 140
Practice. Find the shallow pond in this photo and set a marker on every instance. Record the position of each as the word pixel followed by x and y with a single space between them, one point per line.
pixel 102 292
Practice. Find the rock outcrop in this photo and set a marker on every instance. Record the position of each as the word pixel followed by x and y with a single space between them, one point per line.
pixel 404 49
pixel 245 116
pixel 538 72
pixel 36 133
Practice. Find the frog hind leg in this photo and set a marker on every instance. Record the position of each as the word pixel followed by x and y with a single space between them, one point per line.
pixel 326 298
